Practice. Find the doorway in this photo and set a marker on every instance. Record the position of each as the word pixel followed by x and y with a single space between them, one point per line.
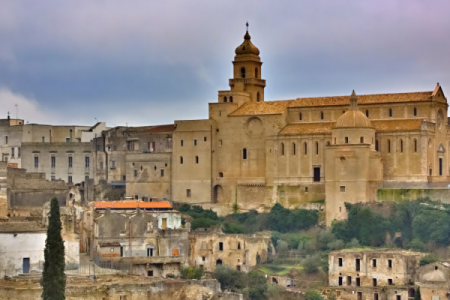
pixel 316 174
pixel 218 194
pixel 26 265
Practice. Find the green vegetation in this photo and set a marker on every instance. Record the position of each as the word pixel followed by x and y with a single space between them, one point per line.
pixel 202 218
pixel 252 285
pixel 313 295
pixel 53 280
pixel 428 259
pixel 417 295
pixel 191 273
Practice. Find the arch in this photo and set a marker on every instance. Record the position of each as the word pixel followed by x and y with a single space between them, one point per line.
pixel 415 145
pixel 306 147
pixel 218 262
pixel 244 153
pixel 300 116
pixel 367 113
pixel 196 159
pixel 243 72
pixel 231 99
pixel 224 98
pixel 401 145
pixel 256 72
pixel 181 160
pixel 390 112
pixel 317 147
pixel 321 115
pixel 389 146
pixel 218 194
pixel 361 140
pixel 282 148
pixel 376 145
pixel 257 97
pixel 415 111
pixel 293 149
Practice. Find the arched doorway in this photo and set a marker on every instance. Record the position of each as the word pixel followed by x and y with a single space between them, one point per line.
pixel 218 262
pixel 218 194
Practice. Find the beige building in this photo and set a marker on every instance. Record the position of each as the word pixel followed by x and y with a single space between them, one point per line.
pixel 434 281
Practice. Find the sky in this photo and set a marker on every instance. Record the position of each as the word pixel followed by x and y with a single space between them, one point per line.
pixel 152 62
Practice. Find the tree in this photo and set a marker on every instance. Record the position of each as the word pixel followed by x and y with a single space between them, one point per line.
pixel 192 273
pixel 53 280
pixel 417 294
pixel 313 295
pixel 256 285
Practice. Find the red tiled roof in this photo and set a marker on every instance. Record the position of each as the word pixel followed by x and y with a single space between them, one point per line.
pixel 131 205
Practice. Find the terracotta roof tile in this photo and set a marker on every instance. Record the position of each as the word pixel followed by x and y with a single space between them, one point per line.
pixel 278 107
pixel 399 124
pixel 131 205
pixel 307 128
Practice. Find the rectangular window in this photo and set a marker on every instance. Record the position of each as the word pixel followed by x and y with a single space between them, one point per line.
pixel 389 263
pixel 135 173
pixel 164 223
pixel 69 180
pixel 113 164
pixel 43 139
pixel 124 177
pixel 340 261
pixel 349 280
pixel 18 151
pixel 204 139
pixel 340 281
pixel 12 152
pixel 374 263
pixel 101 165
pixel 6 140
pixel 220 246
pixel 195 142
pixel 36 162
pixel 342 188
pixel 374 282
pixel 188 193
pixel 149 251
pixel 220 143
pixel 181 143
pixel 70 161
pixel 359 296
pixel 358 264
pixel 67 140
pixel 398 297
pixel 53 178
pixel 316 174
pixel 86 177
pixel 53 161
pixel 162 173
pixel 358 281
pixel 389 281
pixel 86 161
pixel 375 296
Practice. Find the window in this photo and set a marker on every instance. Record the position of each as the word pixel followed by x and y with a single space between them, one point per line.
pixel 220 143
pixel 342 188
pixel 349 280
pixel 390 112
pixel 321 115
pixel 67 140
pixel 204 139
pixel 86 161
pixel 358 264
pixel 239 246
pixel 231 99
pixel 101 165
pixel 374 282
pixel 340 281
pixel 6 139
pixel 220 174
pixel 135 173
pixel 188 193
pixel 220 246
pixel 293 148
pixel 53 161
pixel 18 151
pixel 196 160
pixel 317 148
pixel 316 174
pixel 358 281
pixel 244 153
pixel 36 162
pixel 181 160
pixel 415 145
pixel 398 297
pixel 389 281
pixel 306 189
pixel 361 140
pixel 359 296
pixel 389 146
pixel 69 179
pixel 256 72
pixel 243 72
pixel 300 116
pixel 282 148
pixel 346 139
pixel 70 161
pixel 415 111
pixel 124 178
pixel 340 261
pixel 43 139
pixel 306 148
pixel 86 177
pixel 181 143
pixel 401 145
pixel 376 145
pixel 390 263
pixel 374 263
pixel 195 142
pixel 224 99
pixel 53 178
pixel 113 164
pixel 441 166
pixel 149 250
pixel 367 113
pixel 257 97
pixel 12 152
pixel 162 173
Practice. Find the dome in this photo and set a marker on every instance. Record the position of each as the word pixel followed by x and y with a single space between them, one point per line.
pixel 247 47
pixel 353 117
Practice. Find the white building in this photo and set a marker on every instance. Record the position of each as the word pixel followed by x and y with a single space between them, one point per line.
pixel 21 247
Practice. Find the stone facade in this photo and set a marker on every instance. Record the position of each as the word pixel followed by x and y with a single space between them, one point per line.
pixel 209 248
pixel 434 280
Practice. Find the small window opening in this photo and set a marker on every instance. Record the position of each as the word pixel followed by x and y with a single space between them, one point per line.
pixel 293 148
pixel 401 145
pixel 389 281
pixel 196 159
pixel 181 160
pixel 321 115
pixel 204 139
pixel 349 280
pixel 340 261
pixel 376 145
pixel 361 140
pixel 231 99
pixel 220 174
pixel 415 145
pixel 256 72
pixel 374 282
pixel 300 116
pixel 346 139
pixel 282 148
pixel 306 189
pixel 317 148
pixel 367 113
pixel 415 111
pixel 340 280
pixel 358 264
pixel 389 146
pixel 374 263
pixel 195 142
pixel 244 153
pixel 306 148
pixel 358 281
pixel 390 263
pixel 220 246
pixel 188 193
pixel 224 99
pixel 181 143
pixel 239 246
pixel 390 112
pixel 257 97
pixel 342 188
pixel 243 72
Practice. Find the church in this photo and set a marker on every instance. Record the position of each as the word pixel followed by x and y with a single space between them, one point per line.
pixel 335 150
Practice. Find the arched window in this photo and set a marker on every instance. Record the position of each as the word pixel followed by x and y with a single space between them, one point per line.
pixel 321 115
pixel 415 111
pixel 346 139
pixel 225 99
pixel 300 116
pixel 244 153
pixel 282 148
pixel 317 147
pixel 389 146
pixel 231 99
pixel 376 145
pixel 415 145
pixel 401 145
pixel 361 140
pixel 306 147
pixel 196 159
pixel 181 160
pixel 257 97
pixel 243 72
pixel 390 112
pixel 367 113
pixel 256 72
pixel 293 148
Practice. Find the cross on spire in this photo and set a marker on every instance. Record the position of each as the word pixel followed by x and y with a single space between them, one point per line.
pixel 247 25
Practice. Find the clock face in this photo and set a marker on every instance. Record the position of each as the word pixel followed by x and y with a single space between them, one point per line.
pixel 439 119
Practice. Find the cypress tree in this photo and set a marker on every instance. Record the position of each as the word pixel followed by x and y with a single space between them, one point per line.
pixel 417 294
pixel 53 280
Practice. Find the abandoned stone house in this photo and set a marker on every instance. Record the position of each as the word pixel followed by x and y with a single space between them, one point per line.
pixel 373 274
pixel 148 236
pixel 434 281
pixel 211 247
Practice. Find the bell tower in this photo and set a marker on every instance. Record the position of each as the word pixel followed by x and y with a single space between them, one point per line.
pixel 246 74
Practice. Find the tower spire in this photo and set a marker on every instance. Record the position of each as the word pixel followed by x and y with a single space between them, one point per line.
pixel 353 101
pixel 247 25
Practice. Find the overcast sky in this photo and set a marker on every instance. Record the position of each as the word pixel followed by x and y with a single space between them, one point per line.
pixel 152 62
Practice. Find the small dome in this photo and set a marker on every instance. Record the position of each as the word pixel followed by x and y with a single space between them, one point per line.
pixel 247 47
pixel 353 118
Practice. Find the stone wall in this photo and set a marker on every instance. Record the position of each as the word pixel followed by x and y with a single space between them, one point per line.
pixel 410 194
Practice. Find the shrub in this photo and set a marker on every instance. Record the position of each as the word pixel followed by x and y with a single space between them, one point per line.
pixel 232 228
pixel 354 243
pixel 336 245
pixel 313 295
pixel 229 278
pixel 203 223
pixel 428 259
pixel 311 264
pixel 191 273
pixel 417 245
